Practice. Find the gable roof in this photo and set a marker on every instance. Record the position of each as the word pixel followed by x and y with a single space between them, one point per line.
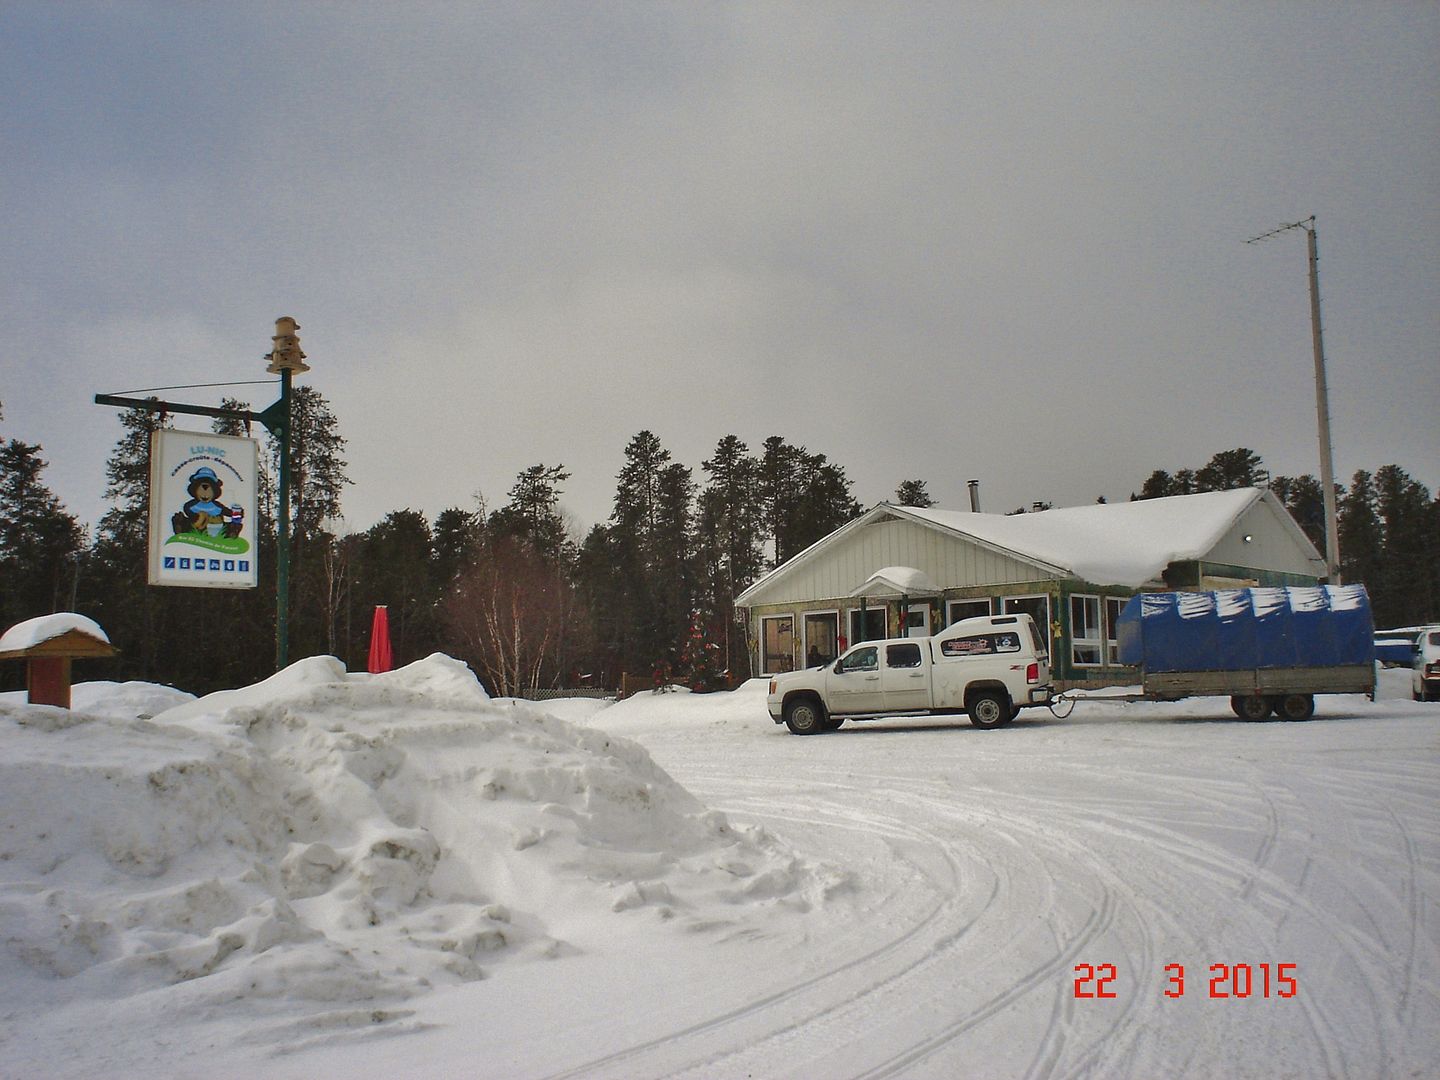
pixel 1127 544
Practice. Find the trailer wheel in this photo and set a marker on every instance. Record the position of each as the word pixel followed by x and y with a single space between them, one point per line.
pixel 1251 706
pixel 805 716
pixel 990 709
pixel 1295 706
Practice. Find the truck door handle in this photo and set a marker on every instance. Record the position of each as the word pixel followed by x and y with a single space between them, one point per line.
pixel 872 678
pixel 917 675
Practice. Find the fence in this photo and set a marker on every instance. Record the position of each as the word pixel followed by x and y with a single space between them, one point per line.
pixel 550 694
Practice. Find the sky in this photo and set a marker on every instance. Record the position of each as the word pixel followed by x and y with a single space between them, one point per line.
pixel 930 240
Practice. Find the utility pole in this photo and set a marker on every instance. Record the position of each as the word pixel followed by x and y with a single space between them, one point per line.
pixel 1322 397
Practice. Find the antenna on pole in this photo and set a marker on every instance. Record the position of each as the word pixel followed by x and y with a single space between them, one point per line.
pixel 1322 396
pixel 1308 225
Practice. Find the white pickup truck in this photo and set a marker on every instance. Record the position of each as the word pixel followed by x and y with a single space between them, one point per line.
pixel 990 667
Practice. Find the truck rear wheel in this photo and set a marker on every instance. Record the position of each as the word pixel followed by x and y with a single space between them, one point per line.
pixel 805 716
pixel 1251 706
pixel 990 709
pixel 1295 706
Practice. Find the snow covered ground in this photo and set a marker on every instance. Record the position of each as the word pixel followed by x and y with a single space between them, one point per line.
pixel 335 874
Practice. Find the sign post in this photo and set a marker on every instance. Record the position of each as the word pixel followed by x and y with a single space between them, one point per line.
pixel 212 452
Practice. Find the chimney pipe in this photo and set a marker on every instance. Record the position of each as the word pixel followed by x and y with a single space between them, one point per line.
pixel 974 496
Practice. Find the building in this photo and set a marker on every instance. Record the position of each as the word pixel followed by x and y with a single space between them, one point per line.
pixel 1070 569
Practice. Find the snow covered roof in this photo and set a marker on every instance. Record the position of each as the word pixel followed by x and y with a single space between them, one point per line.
pixel 898 581
pixel 33 633
pixel 1126 544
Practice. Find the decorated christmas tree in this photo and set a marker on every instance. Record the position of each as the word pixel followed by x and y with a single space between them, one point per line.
pixel 701 658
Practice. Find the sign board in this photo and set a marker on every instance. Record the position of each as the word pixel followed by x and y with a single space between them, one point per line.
pixel 204 494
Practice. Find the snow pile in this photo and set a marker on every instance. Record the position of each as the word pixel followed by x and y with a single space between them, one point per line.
pixel 324 839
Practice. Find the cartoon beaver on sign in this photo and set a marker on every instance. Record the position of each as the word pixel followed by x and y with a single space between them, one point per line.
pixel 203 512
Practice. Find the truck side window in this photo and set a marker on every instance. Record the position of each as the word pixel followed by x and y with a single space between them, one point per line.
pixel 867 659
pixel 902 656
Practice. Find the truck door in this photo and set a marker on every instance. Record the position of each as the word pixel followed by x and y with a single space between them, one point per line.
pixel 853 683
pixel 905 678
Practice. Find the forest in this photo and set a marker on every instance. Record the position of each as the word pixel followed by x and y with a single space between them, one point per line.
pixel 520 597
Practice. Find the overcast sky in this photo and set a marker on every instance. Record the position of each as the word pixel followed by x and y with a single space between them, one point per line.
pixel 933 240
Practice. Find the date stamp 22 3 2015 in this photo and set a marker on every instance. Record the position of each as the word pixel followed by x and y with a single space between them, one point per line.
pixel 1228 981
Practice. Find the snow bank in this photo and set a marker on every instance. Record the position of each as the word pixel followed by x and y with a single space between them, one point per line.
pixel 324 839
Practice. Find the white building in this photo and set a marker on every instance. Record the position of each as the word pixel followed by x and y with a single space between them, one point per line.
pixel 1071 569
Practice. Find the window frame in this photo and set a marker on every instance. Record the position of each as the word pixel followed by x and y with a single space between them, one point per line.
pixel 765 655
pixel 951 620
pixel 805 617
pixel 1044 628
pixel 1093 640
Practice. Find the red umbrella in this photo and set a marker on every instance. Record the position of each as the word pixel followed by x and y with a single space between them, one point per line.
pixel 380 659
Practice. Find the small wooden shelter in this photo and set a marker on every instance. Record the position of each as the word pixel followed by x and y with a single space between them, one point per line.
pixel 48 645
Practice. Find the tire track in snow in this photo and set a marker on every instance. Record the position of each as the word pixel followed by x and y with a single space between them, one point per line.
pixel 837 973
pixel 1099 921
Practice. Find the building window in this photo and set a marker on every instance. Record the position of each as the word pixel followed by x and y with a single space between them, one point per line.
pixel 1113 606
pixel 1086 638
pixel 1037 607
pixel 777 636
pixel 867 625
pixel 955 610
pixel 822 633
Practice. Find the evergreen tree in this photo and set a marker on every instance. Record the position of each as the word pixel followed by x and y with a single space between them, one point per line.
pixel 317 477
pixel 1161 485
pixel 805 497
pixel 913 493
pixel 1406 593
pixel 1362 539
pixel 40 544
pixel 670 559
pixel 533 516
pixel 728 553
pixel 1303 497
pixel 637 572
pixel 395 569
pixel 458 537
pixel 114 586
pixel 608 586
pixel 1230 469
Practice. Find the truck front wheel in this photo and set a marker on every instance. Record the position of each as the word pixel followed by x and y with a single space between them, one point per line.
pixel 805 716
pixel 990 709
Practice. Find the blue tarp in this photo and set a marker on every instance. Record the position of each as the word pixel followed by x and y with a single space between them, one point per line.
pixel 1245 629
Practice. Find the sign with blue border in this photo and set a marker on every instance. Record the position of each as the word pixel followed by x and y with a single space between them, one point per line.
pixel 204 501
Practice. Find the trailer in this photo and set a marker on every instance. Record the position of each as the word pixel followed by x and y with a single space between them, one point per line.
pixel 1269 650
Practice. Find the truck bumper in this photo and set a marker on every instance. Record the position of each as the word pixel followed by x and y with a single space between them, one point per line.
pixel 1041 695
pixel 775 713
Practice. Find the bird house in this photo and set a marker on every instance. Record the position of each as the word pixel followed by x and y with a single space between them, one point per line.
pixel 285 354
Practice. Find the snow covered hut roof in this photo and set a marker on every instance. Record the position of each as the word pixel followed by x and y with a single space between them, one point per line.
pixel 32 633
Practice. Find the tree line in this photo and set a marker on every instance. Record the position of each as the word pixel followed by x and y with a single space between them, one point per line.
pixel 515 590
